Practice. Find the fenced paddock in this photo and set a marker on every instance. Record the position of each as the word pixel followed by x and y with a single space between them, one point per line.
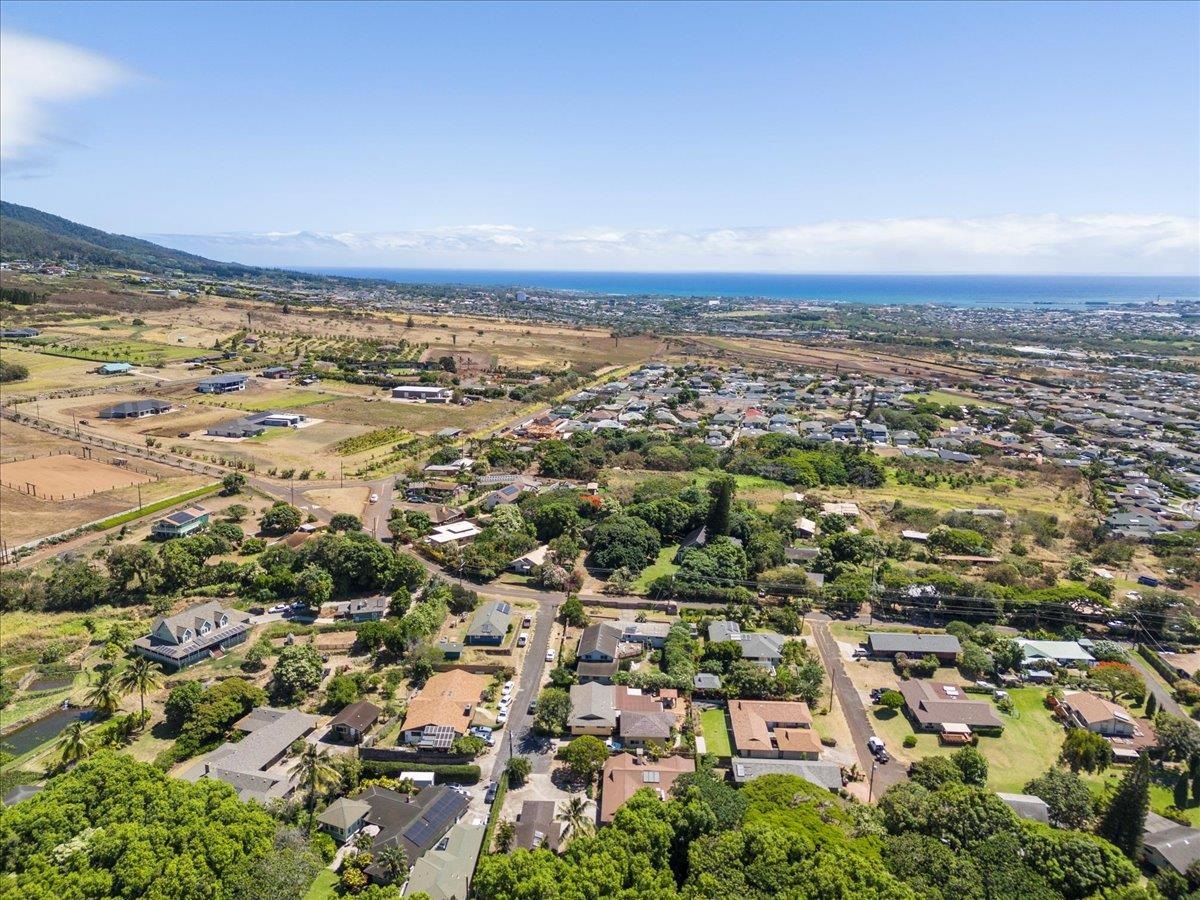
pixel 71 475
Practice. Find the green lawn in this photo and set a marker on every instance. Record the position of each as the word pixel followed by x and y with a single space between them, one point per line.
pixel 323 886
pixel 1027 748
pixel 663 565
pixel 716 734
pixel 1162 786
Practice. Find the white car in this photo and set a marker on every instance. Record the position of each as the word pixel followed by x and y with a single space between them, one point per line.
pixel 374 498
pixel 278 608
pixel 522 639
pixel 502 718
pixel 549 656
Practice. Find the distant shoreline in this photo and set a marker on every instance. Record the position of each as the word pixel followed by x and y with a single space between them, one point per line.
pixel 971 291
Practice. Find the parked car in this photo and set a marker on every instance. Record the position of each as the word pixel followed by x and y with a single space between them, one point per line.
pixel 860 653
pixel 875 744
pixel 522 639
pixel 528 620
pixel 490 796
pixel 374 498
pixel 882 757
pixel 278 608
pixel 549 656
pixel 532 707
pixel 502 718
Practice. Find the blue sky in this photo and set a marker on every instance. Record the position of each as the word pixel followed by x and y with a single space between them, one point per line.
pixel 942 137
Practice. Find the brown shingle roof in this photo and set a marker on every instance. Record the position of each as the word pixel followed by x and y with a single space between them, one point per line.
pixel 752 722
pixel 625 774
pixel 448 698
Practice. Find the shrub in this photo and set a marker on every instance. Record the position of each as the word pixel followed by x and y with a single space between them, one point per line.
pixel 910 741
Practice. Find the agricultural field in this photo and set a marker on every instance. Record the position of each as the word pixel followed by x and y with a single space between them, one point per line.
pixel 420 418
pixel 24 517
pixel 49 373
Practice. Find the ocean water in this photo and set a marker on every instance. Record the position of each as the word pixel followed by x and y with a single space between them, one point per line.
pixel 999 291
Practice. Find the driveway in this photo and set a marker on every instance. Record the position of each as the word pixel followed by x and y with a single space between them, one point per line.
pixel 852 707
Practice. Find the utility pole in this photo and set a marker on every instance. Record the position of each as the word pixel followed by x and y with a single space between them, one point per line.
pixel 139 487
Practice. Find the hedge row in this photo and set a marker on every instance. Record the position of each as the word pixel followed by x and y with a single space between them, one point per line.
pixel 460 774
pixel 1160 665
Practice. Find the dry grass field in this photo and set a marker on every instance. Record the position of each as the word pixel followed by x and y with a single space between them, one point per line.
pixel 50 373
pixel 419 418
pixel 351 500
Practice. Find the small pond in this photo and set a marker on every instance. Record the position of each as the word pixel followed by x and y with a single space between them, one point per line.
pixel 38 732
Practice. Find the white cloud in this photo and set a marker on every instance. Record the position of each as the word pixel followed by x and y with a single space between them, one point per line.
pixel 36 74
pixel 1100 244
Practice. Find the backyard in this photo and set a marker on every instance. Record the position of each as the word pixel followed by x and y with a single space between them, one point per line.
pixel 716 733
pixel 1027 748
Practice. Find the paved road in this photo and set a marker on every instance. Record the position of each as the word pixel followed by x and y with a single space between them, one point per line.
pixel 518 736
pixel 852 708
pixel 1165 701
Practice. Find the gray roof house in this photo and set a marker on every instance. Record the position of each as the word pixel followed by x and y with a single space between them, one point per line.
pixel 417 823
pixel 593 709
pixel 490 623
pixel 192 635
pixel 888 644
pixel 251 766
pixel 1168 845
pixel 598 643
pixel 1027 806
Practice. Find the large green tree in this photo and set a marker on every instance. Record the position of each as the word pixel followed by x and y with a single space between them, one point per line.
pixel 1125 818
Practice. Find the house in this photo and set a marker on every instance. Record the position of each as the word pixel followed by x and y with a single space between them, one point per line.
pixel 344 818
pixel 875 434
pixel 846 508
pixel 192 635
pixel 490 623
pixel 1168 845
pixel 223 384
pixel 354 721
pixel 180 523
pixel 706 682
pixel 772 729
pixel 415 823
pixel 650 634
pixel 243 427
pixel 904 438
pixel 1063 653
pixel 453 533
pixel 762 647
pixel 251 766
pixel 693 540
pixel 510 493
pixel 119 368
pixel 442 710
pixel 422 393
pixel 944 708
pixel 823 774
pixel 135 409
pixel 639 727
pixel 537 826
pixel 593 709
pixel 805 527
pixel 624 774
pixel 278 372
pixel 444 873
pixel 1087 710
pixel 366 609
pixel 598 643
pixel 1027 806
pixel 525 564
pixel 890 644
pixel 282 419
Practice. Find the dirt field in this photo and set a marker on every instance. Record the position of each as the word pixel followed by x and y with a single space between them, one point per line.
pixel 421 418
pixel 351 500
pixel 67 477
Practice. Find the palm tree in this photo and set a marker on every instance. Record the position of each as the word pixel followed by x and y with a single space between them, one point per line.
pixel 575 815
pixel 104 693
pixel 315 771
pixel 73 744
pixel 394 861
pixel 142 675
